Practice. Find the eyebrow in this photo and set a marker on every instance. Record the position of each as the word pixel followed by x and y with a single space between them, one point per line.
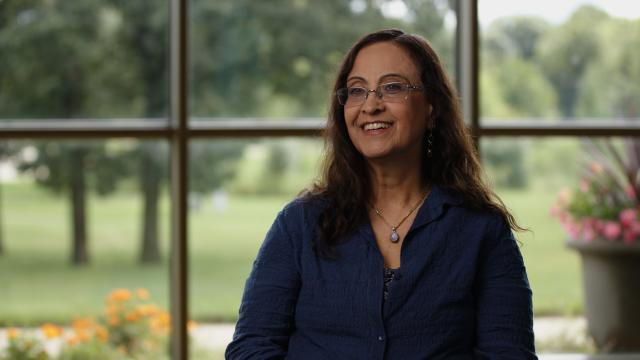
pixel 380 79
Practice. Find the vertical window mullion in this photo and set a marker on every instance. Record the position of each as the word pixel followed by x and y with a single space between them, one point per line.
pixel 467 64
pixel 179 116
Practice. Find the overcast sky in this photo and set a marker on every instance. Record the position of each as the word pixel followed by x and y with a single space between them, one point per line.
pixel 555 11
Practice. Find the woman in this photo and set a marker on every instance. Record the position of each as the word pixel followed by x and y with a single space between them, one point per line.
pixel 402 251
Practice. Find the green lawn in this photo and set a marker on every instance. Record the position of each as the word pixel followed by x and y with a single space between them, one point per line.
pixel 37 283
pixel 553 270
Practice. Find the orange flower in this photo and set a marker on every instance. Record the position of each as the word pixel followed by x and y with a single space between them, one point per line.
pixel 73 340
pixel 102 334
pixel 119 295
pixel 161 322
pixel 113 310
pixel 114 320
pixel 85 323
pixel 51 331
pixel 191 325
pixel 147 310
pixel 83 335
pixel 142 294
pixel 13 333
pixel 132 316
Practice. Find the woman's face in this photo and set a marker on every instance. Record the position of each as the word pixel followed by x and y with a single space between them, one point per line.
pixel 382 129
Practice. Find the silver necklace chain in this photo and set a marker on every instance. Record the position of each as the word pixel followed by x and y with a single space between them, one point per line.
pixel 394 237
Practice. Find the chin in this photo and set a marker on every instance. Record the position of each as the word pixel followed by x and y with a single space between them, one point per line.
pixel 376 154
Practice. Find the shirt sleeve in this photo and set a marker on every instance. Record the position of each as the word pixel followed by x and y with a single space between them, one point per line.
pixel 504 314
pixel 267 309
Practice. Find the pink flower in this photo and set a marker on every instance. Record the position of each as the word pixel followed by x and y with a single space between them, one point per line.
pixel 612 230
pixel 628 217
pixel 598 226
pixel 588 229
pixel 588 234
pixel 631 192
pixel 597 168
pixel 573 230
pixel 555 211
pixel 563 196
pixel 629 236
pixel 584 185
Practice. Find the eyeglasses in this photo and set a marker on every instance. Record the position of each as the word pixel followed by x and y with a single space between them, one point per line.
pixel 389 92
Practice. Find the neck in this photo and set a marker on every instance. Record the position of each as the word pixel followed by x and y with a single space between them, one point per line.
pixel 396 187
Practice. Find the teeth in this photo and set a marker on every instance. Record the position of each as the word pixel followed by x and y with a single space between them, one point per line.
pixel 376 126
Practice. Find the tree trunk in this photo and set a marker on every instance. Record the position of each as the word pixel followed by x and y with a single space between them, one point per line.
pixel 150 182
pixel 79 250
pixel 145 42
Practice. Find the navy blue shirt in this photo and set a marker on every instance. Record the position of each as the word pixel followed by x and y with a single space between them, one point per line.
pixel 461 291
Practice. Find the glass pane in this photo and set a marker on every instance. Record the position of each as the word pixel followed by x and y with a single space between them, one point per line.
pixel 528 174
pixel 537 178
pixel 237 188
pixel 83 59
pixel 279 58
pixel 560 61
pixel 84 246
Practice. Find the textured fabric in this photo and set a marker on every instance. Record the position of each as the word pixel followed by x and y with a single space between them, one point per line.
pixel 461 291
pixel 388 277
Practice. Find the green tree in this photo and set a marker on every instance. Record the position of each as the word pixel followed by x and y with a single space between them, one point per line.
pixel 211 164
pixel 565 53
pixel 492 100
pixel 109 59
pixel 610 86
pixel 513 37
pixel 56 77
pixel 143 34
pixel 523 87
pixel 74 170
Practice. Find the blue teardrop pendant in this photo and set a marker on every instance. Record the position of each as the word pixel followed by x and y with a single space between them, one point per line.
pixel 394 235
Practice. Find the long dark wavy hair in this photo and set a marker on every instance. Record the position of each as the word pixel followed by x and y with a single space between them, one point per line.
pixel 345 183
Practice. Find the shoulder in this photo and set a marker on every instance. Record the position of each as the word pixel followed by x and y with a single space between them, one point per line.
pixel 484 215
pixel 302 212
pixel 486 225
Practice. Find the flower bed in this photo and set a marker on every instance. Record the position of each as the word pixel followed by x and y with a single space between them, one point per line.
pixel 131 327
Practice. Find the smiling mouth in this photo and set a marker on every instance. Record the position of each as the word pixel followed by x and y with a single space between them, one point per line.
pixel 376 126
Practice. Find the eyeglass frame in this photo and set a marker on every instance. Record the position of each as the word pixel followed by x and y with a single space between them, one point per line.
pixel 378 91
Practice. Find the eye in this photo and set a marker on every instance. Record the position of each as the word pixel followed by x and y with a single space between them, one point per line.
pixel 392 88
pixel 356 91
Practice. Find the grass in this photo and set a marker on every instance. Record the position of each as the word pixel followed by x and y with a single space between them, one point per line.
pixel 38 284
pixel 553 270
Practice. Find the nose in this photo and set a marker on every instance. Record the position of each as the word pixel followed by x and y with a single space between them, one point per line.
pixel 373 103
pixel 378 93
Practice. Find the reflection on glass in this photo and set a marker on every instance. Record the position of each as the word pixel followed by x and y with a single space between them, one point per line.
pixel 574 60
pixel 83 59
pixel 84 234
pixel 238 187
pixel 278 59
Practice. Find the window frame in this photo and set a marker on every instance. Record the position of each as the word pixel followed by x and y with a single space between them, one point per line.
pixel 178 131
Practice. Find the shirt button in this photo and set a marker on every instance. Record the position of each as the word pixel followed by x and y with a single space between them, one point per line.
pixel 381 338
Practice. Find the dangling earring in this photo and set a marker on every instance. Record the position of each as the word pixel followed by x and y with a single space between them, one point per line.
pixel 430 143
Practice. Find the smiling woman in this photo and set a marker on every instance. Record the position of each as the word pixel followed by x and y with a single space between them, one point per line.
pixel 390 125
pixel 400 251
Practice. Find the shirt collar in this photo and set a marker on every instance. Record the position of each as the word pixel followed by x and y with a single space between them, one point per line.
pixel 439 198
pixel 432 208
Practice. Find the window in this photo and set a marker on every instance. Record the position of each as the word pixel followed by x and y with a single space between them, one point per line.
pixel 93 93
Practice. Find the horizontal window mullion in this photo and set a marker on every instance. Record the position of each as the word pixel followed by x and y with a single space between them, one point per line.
pixel 257 127
pixel 601 127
